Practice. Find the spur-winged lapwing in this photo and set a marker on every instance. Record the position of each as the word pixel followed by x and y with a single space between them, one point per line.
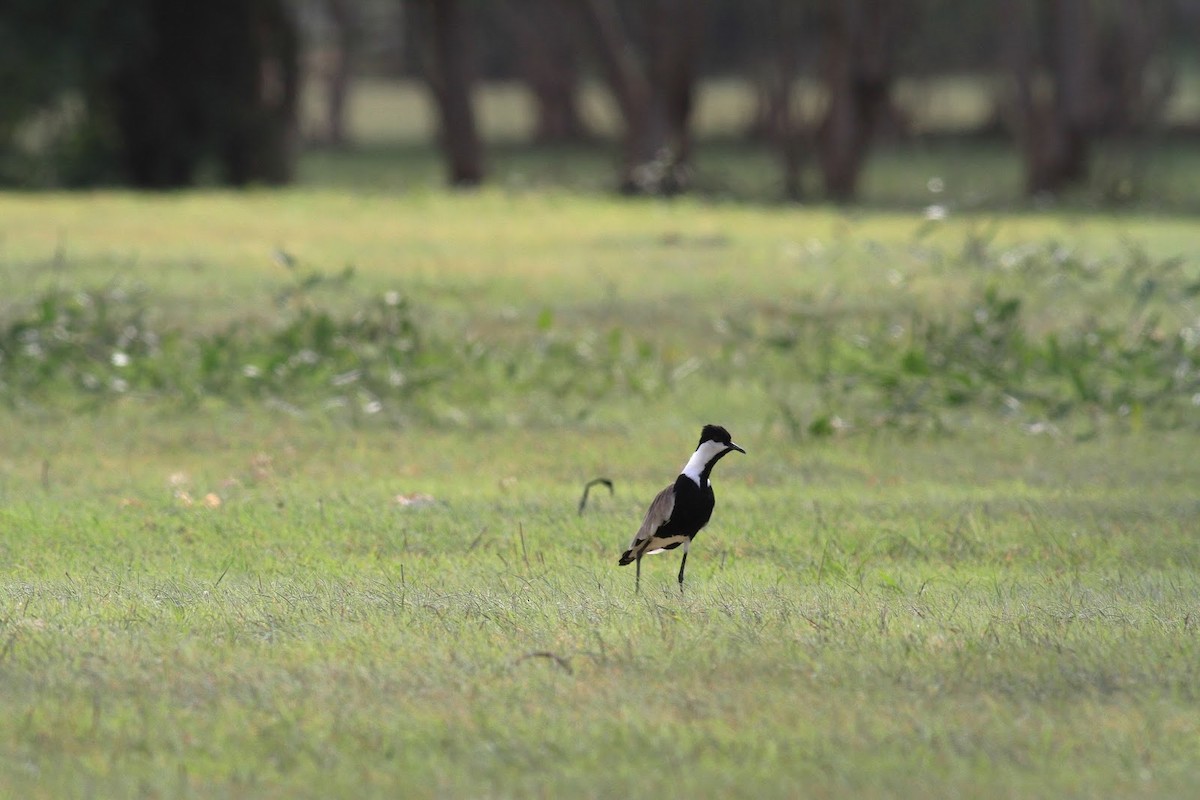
pixel 683 508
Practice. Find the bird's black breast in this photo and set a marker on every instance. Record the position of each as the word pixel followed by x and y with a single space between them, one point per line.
pixel 693 508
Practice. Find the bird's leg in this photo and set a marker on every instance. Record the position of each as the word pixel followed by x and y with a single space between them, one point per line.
pixel 637 586
pixel 682 564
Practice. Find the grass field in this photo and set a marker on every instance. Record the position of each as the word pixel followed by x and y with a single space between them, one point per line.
pixel 292 531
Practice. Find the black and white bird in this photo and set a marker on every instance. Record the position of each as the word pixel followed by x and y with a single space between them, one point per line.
pixel 683 508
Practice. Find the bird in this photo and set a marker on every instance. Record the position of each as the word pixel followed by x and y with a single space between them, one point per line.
pixel 681 510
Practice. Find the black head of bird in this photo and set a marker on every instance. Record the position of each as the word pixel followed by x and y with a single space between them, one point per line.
pixel 681 510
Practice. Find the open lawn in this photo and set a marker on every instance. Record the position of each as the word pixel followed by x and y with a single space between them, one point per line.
pixel 289 531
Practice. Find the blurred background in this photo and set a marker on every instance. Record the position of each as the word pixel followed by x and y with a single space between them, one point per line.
pixel 755 99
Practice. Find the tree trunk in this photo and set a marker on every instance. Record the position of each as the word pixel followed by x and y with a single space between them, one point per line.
pixel 1052 125
pixel 344 16
pixel 154 100
pixel 1098 78
pixel 1133 69
pixel 263 140
pixel 181 100
pixel 777 119
pixel 676 35
pixel 548 54
pixel 858 78
pixel 627 79
pixel 655 99
pixel 1072 37
pixel 450 81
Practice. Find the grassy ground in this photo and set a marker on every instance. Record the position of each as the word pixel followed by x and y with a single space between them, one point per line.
pixel 994 616
pixel 908 587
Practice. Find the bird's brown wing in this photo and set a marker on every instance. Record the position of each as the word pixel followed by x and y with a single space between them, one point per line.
pixel 656 516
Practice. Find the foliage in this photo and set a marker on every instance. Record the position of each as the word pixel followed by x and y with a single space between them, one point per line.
pixel 828 372
pixel 100 345
pixel 136 93
pixel 909 368
pixel 53 56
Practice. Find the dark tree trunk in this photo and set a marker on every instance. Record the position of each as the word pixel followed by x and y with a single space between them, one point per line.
pixel 1072 40
pixel 449 77
pixel 676 35
pixel 626 76
pixel 777 120
pixel 548 58
pixel 1132 67
pixel 262 140
pixel 344 16
pixel 155 100
pixel 655 98
pixel 858 79
pixel 179 100
pixel 1053 125
pixel 1099 75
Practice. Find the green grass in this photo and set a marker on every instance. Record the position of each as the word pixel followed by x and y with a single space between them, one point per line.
pixel 991 616
pixel 904 591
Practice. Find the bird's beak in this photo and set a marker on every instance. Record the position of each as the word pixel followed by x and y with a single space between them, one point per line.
pixel 733 446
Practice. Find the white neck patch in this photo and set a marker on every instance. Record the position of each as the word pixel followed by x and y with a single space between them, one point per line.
pixel 700 459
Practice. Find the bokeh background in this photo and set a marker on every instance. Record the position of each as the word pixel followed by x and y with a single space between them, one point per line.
pixel 1094 100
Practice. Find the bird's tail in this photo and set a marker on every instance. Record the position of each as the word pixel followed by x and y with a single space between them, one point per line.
pixel 628 557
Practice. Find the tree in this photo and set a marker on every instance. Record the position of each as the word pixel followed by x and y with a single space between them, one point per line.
pixel 1052 127
pixel 777 119
pixel 654 93
pixel 546 39
pixel 1080 70
pixel 449 75
pixel 53 57
pixel 260 140
pixel 343 14
pixel 860 38
pixel 165 89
